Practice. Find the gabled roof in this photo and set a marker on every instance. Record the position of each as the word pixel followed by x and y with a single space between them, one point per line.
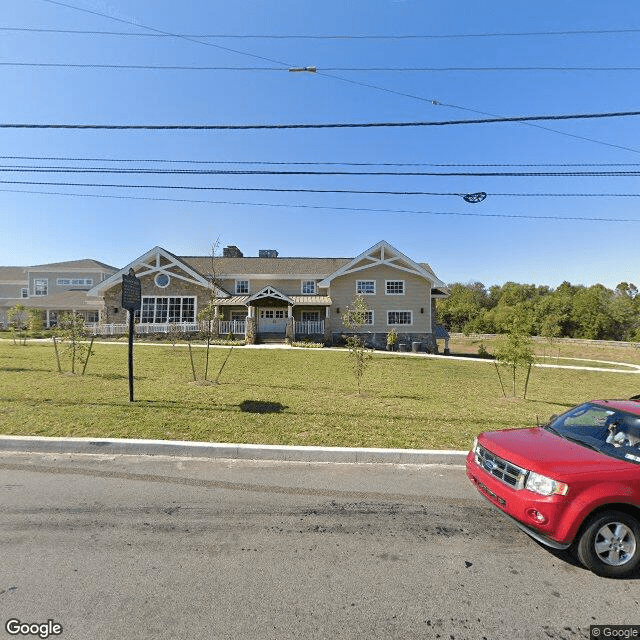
pixel 384 254
pixel 270 292
pixel 87 263
pixel 158 260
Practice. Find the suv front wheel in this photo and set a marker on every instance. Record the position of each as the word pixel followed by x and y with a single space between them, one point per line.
pixel 610 544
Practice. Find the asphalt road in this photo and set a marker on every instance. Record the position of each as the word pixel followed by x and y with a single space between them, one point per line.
pixel 139 547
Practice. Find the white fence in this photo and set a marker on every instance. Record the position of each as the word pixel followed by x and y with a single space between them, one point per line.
pixel 144 328
pixel 236 327
pixel 232 326
pixel 309 328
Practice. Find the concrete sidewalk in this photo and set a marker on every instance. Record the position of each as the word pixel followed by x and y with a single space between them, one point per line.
pixel 116 446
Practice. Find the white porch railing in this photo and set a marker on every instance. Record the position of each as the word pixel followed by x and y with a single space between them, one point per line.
pixel 232 326
pixel 114 329
pixel 309 328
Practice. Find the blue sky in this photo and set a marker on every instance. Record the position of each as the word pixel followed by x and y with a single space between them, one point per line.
pixel 47 227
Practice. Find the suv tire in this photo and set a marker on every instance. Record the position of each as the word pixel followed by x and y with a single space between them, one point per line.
pixel 610 544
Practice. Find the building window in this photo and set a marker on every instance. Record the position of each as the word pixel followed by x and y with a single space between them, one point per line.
pixel 399 317
pixel 238 316
pixel 24 293
pixel 394 287
pixel 162 280
pixel 310 316
pixel 242 287
pixel 368 317
pixel 93 316
pixel 162 310
pixel 366 287
pixel 74 282
pixel 40 287
pixel 308 287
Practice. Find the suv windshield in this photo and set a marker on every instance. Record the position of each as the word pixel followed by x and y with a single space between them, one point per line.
pixel 607 430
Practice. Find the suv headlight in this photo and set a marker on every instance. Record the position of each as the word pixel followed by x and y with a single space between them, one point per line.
pixel 545 486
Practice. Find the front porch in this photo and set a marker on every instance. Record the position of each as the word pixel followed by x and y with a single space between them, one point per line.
pixel 237 328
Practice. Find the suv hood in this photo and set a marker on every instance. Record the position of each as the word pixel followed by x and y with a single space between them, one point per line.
pixel 537 449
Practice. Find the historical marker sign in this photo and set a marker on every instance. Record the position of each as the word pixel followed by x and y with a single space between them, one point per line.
pixel 132 301
pixel 131 292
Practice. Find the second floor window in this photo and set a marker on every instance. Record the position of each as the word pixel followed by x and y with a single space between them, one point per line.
pixel 308 287
pixel 366 287
pixel 74 282
pixel 395 287
pixel 242 287
pixel 40 287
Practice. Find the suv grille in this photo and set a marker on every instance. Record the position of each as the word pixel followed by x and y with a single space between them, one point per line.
pixel 505 471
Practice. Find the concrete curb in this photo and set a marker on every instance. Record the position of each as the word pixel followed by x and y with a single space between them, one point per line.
pixel 36 444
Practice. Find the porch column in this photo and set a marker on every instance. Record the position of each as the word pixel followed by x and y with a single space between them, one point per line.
pixel 47 318
pixel 327 325
pixel 290 330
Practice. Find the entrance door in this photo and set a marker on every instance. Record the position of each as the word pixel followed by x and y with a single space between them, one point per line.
pixel 272 320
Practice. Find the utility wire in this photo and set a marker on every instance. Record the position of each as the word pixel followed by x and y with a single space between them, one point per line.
pixel 168 34
pixel 332 75
pixel 151 67
pixel 334 125
pixel 294 163
pixel 266 36
pixel 265 172
pixel 278 190
pixel 351 209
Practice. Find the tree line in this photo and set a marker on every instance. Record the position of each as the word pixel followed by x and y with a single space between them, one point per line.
pixel 568 311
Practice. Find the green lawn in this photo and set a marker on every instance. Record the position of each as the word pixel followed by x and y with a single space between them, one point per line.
pixel 409 403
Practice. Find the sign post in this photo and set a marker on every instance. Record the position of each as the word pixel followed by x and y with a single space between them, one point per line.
pixel 131 301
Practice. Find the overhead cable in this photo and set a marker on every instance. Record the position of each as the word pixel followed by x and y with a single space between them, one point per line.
pixel 474 214
pixel 265 172
pixel 304 190
pixel 323 163
pixel 300 36
pixel 333 125
pixel 151 67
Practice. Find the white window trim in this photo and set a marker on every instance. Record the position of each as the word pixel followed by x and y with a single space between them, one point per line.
pixel 162 286
pixel 386 284
pixel 397 324
pixel 182 299
pixel 306 293
pixel 366 293
pixel 74 282
pixel 23 291
pixel 243 293
pixel 46 284
pixel 373 319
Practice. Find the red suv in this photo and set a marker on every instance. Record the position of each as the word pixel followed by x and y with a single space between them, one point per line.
pixel 573 483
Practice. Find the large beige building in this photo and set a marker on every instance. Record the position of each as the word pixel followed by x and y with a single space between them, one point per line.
pixel 273 297
pixel 54 289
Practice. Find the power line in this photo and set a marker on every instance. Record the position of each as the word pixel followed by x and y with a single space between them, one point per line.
pixel 168 34
pixel 352 209
pixel 321 163
pixel 334 125
pixel 151 67
pixel 266 36
pixel 287 190
pixel 331 75
pixel 265 172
